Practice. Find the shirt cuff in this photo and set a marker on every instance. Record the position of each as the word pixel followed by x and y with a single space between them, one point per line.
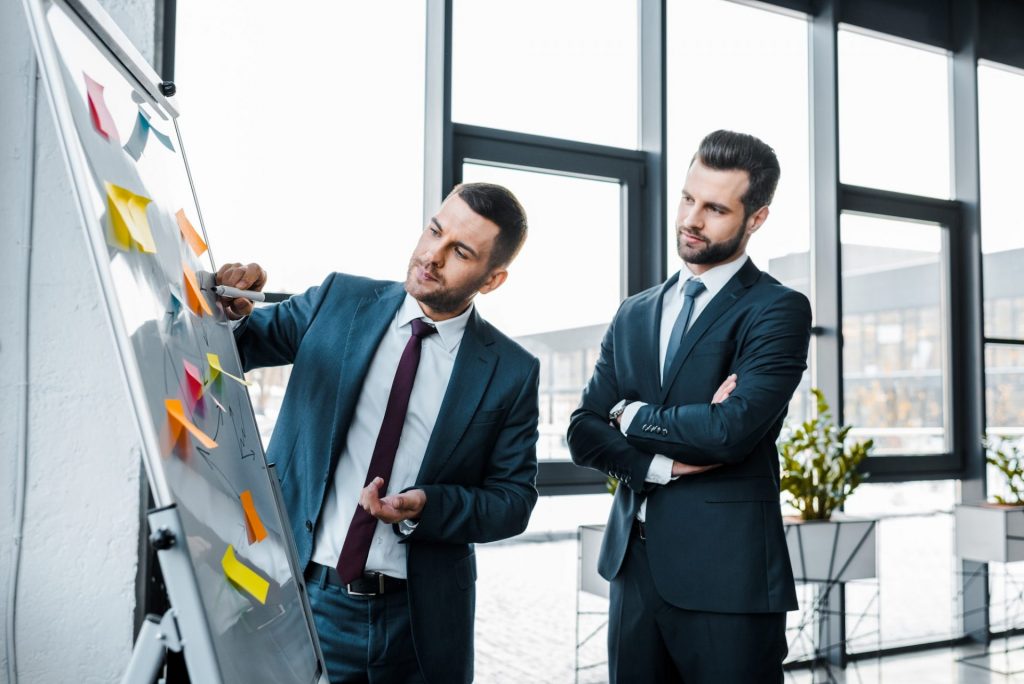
pixel 236 323
pixel 407 526
pixel 629 414
pixel 660 470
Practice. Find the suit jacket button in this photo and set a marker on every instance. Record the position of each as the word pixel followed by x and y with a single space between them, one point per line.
pixel 309 526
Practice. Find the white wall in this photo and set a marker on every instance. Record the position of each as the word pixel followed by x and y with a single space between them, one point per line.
pixel 76 589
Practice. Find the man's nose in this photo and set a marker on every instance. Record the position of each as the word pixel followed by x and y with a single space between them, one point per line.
pixel 689 218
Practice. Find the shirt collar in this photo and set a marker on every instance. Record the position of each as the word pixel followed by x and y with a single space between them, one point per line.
pixel 449 331
pixel 714 278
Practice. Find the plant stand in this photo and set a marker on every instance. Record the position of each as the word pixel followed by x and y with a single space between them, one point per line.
pixel 992 533
pixel 830 553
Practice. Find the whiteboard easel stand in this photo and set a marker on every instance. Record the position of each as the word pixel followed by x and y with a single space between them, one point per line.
pixel 186 615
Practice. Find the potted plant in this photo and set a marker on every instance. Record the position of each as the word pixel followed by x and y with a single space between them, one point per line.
pixel 819 470
pixel 993 531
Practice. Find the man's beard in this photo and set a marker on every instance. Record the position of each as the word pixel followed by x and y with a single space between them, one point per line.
pixel 444 299
pixel 714 253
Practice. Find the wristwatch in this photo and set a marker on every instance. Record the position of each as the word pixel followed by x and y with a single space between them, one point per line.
pixel 618 409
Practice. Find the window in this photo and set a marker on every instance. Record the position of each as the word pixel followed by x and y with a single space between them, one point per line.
pixel 301 165
pixel 564 69
pixel 895 333
pixel 893 116
pixel 563 288
pixel 745 69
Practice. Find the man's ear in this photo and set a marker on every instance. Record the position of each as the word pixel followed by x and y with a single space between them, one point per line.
pixel 757 219
pixel 494 281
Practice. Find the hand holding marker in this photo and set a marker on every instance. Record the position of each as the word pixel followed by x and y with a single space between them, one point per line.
pixel 238 287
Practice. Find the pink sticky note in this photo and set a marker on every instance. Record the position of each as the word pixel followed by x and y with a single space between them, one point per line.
pixel 194 381
pixel 101 119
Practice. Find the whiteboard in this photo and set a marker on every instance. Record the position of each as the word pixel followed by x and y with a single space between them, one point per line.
pixel 202 450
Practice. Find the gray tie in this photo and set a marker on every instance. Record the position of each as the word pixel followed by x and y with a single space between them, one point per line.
pixel 691 289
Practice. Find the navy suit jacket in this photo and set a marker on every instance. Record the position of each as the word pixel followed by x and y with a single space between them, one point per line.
pixel 478 470
pixel 715 540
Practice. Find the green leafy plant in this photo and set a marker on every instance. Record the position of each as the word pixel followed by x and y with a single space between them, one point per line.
pixel 819 467
pixel 1007 455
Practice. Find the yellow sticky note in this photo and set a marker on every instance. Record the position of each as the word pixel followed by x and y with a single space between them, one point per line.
pixel 193 294
pixel 176 414
pixel 129 225
pixel 216 369
pixel 190 234
pixel 243 576
pixel 254 529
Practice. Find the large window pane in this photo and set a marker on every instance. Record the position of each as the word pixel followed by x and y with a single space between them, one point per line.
pixel 1000 103
pixel 895 332
pixel 914 598
pixel 565 69
pixel 754 81
pixel 1004 389
pixel 893 116
pixel 302 161
pixel 564 287
pixel 300 164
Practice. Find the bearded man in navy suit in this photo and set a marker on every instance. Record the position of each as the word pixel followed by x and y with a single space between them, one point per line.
pixel 407 434
pixel 687 399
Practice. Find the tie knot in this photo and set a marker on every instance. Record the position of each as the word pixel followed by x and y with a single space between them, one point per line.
pixel 421 328
pixel 693 287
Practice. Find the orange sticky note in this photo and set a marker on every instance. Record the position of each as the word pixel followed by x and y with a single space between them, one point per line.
pixel 194 382
pixel 193 294
pixel 129 226
pixel 190 234
pixel 178 419
pixel 254 529
pixel 244 577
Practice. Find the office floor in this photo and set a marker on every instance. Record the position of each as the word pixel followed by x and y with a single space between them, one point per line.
pixel 526 631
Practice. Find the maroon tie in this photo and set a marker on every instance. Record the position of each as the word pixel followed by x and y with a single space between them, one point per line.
pixel 360 532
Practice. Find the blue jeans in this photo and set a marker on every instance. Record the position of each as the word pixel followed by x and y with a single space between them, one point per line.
pixel 364 639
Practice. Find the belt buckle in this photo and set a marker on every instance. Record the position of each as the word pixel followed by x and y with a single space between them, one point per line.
pixel 380 586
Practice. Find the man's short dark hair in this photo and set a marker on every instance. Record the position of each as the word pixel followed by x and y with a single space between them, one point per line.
pixel 731 151
pixel 498 205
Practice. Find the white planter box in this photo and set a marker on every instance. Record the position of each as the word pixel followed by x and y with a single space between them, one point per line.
pixel 989 533
pixel 836 550
pixel 590 537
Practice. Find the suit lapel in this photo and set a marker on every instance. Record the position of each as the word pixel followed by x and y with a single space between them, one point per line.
pixel 471 375
pixel 723 301
pixel 650 339
pixel 367 326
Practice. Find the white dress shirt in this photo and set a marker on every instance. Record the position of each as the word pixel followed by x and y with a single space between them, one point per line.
pixel 437 358
pixel 714 279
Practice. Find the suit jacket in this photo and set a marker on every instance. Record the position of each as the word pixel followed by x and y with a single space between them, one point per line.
pixel 480 464
pixel 715 540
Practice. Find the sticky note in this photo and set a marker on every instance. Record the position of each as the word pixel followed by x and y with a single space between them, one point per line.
pixel 193 294
pixel 193 382
pixel 216 369
pixel 254 528
pixel 190 234
pixel 101 119
pixel 129 226
pixel 244 577
pixel 137 142
pixel 178 419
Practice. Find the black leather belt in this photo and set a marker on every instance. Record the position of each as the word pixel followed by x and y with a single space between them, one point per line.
pixel 640 529
pixel 370 584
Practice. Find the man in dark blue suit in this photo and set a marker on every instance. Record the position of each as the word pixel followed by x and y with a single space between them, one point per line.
pixel 407 434
pixel 684 407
